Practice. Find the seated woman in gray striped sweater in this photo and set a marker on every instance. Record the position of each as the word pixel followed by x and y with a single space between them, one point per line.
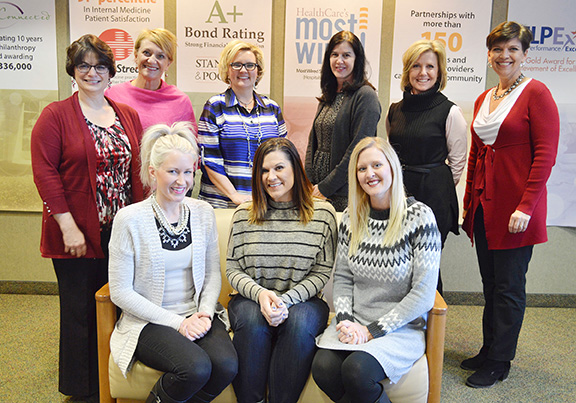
pixel 280 256
pixel 385 278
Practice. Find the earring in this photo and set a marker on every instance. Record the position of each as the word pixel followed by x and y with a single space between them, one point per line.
pixel 109 83
pixel 489 64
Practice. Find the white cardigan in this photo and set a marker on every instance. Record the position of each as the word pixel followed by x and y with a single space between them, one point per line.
pixel 136 273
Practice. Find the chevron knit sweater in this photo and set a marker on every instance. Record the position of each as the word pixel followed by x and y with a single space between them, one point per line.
pixel 388 289
pixel 282 254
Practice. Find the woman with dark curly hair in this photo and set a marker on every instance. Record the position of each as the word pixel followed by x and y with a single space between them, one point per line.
pixel 85 163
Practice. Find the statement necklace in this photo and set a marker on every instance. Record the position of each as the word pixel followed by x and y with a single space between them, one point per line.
pixel 245 126
pixel 509 90
pixel 182 217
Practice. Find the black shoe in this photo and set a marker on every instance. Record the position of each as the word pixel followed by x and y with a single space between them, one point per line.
pixel 476 362
pixel 489 374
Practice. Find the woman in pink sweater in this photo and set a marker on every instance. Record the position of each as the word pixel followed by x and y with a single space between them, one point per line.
pixel 154 100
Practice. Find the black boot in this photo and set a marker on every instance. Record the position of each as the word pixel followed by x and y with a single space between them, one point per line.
pixel 383 396
pixel 490 373
pixel 202 397
pixel 159 395
pixel 476 362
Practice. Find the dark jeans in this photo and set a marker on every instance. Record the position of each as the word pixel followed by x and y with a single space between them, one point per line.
pixel 78 281
pixel 208 364
pixel 504 284
pixel 279 357
pixel 353 375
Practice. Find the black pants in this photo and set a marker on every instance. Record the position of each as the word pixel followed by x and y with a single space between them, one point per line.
pixel 78 281
pixel 355 375
pixel 208 364
pixel 503 274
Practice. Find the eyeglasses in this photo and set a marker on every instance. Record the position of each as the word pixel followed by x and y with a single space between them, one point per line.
pixel 248 66
pixel 85 68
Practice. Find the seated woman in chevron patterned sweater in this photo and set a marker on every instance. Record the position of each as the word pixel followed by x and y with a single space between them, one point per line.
pixel 385 277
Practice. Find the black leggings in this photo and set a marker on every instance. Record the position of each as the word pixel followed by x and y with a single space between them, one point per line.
pixel 355 374
pixel 208 364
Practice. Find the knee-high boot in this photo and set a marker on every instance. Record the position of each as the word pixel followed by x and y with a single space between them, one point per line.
pixel 159 395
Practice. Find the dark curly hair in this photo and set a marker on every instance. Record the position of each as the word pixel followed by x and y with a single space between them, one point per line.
pixel 89 44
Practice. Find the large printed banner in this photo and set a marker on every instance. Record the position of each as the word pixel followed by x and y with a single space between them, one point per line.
pixel 552 60
pixel 309 26
pixel 204 28
pixel 462 26
pixel 118 23
pixel 28 45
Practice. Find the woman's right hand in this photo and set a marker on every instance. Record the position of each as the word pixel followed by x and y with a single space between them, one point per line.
pixel 195 326
pixel 73 238
pixel 272 308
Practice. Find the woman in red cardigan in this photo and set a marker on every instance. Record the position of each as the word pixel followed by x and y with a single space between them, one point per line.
pixel 84 160
pixel 514 143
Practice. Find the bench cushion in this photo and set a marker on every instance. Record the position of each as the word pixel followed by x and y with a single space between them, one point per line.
pixel 412 387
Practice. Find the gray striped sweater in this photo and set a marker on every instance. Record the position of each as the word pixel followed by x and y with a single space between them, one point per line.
pixel 282 254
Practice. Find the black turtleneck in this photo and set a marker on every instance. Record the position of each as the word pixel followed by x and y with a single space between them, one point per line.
pixel 418 134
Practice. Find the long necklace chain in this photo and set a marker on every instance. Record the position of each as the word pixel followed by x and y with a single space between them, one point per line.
pixel 245 126
pixel 509 90
pixel 183 216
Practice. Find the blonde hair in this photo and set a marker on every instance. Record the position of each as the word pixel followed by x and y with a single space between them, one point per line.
pixel 229 53
pixel 410 57
pixel 160 37
pixel 359 201
pixel 160 140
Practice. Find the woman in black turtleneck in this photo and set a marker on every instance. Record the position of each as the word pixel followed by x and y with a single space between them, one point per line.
pixel 429 134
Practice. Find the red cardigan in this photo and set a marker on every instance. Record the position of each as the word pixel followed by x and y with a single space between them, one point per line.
pixel 64 168
pixel 511 174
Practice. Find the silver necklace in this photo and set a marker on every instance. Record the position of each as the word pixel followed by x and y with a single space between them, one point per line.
pixel 509 90
pixel 245 104
pixel 183 216
pixel 245 126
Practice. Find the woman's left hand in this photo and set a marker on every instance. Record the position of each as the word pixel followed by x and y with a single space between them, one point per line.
pixel 518 222
pixel 196 326
pixel 316 193
pixel 353 333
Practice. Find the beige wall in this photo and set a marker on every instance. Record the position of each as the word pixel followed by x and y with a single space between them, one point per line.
pixel 551 269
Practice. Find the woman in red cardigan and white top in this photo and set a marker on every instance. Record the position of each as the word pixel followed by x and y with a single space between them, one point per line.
pixel 85 162
pixel 514 143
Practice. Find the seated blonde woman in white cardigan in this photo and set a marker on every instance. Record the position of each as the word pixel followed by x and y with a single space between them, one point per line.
pixel 165 276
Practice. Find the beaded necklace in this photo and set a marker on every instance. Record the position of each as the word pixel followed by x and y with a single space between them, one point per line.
pixel 245 126
pixel 182 217
pixel 509 90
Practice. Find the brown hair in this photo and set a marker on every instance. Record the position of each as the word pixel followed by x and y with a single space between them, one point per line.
pixel 89 44
pixel 301 191
pixel 509 30
pixel 328 82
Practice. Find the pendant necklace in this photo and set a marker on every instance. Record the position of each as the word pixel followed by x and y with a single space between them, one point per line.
pixel 245 126
pixel 183 216
pixel 509 90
